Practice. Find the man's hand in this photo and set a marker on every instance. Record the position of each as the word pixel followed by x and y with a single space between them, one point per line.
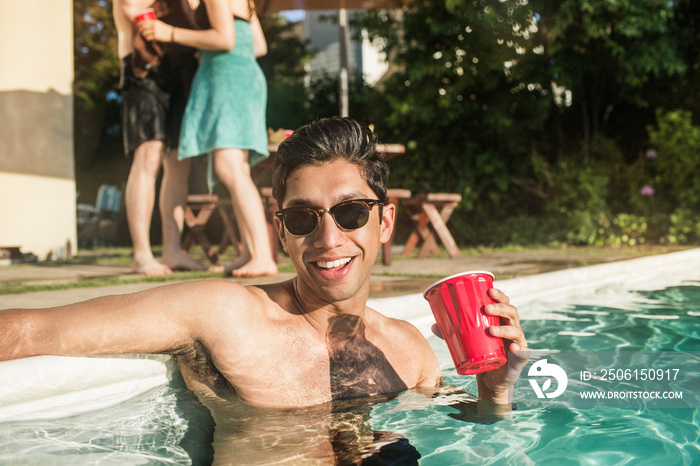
pixel 494 386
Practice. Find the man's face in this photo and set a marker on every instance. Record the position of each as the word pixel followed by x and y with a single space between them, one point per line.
pixel 333 264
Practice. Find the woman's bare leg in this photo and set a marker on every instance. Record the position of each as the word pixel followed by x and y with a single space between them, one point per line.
pixel 173 198
pixel 256 257
pixel 139 198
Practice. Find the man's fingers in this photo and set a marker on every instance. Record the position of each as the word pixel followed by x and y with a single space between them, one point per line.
pixel 499 296
pixel 508 332
pixel 505 311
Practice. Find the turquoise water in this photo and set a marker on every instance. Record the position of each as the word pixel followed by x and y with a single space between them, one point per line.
pixel 538 433
pixel 170 425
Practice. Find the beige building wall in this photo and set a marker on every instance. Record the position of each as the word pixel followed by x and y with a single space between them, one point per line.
pixel 37 176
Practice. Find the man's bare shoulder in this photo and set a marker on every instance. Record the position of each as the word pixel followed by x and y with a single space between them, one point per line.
pixel 226 293
pixel 220 302
pixel 223 313
pixel 391 326
pixel 398 333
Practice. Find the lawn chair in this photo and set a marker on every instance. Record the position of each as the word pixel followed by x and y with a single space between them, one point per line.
pixel 95 221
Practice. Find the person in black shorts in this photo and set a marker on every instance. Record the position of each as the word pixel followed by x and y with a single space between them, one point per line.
pixel 155 85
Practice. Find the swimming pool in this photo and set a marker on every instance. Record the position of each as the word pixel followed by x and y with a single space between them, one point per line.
pixel 148 417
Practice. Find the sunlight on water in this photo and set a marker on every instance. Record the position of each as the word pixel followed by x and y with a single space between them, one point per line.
pixel 152 428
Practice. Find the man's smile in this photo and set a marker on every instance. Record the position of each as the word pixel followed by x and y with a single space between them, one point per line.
pixel 333 269
pixel 328 264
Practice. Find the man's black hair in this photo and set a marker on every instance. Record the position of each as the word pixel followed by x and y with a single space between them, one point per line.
pixel 329 140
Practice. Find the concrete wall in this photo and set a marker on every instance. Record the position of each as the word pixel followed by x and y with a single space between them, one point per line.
pixel 37 176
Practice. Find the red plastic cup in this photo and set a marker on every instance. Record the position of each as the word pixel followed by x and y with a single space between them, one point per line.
pixel 146 15
pixel 457 303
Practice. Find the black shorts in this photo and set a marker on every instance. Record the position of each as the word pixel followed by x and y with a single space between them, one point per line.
pixel 152 107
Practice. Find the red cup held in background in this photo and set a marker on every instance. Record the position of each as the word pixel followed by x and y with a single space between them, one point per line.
pixel 457 303
pixel 146 15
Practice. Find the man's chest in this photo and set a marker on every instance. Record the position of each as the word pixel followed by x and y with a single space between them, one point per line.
pixel 296 370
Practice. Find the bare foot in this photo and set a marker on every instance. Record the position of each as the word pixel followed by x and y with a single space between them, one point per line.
pixel 242 260
pixel 217 268
pixel 151 268
pixel 180 261
pixel 256 268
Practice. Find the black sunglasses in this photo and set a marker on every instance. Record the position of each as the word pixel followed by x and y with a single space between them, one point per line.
pixel 348 215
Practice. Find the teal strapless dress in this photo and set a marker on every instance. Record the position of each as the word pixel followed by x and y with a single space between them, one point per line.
pixel 227 103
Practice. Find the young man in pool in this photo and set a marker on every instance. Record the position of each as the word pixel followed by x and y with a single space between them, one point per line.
pixel 298 343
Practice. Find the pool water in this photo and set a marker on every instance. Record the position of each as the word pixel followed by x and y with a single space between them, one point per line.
pixel 167 425
pixel 646 321
pixel 170 425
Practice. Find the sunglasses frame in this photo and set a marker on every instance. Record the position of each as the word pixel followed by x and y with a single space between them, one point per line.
pixel 370 203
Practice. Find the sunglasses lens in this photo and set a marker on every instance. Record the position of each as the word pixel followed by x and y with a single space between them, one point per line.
pixel 300 222
pixel 352 215
pixel 349 216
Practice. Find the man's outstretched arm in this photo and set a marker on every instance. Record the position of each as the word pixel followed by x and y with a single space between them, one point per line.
pixel 158 320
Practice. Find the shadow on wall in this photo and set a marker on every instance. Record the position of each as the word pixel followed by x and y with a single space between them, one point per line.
pixel 36 143
pixel 36 135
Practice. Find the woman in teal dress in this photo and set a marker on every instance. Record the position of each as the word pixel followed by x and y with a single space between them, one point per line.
pixel 225 115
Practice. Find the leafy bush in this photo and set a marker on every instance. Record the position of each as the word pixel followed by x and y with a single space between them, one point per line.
pixel 684 227
pixel 578 189
pixel 676 168
pixel 627 230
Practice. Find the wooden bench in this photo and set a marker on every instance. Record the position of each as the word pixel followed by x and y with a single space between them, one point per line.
pixel 270 207
pixel 430 213
pixel 393 196
pixel 198 212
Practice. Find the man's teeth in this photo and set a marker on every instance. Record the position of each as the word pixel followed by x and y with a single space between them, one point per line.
pixel 332 264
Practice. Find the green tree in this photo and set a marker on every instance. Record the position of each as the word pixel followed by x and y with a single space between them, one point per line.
pixel 294 98
pixel 531 107
pixel 605 52
pixel 614 58
pixel 465 100
pixel 681 91
pixel 96 74
pixel 284 68
pixel 677 167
